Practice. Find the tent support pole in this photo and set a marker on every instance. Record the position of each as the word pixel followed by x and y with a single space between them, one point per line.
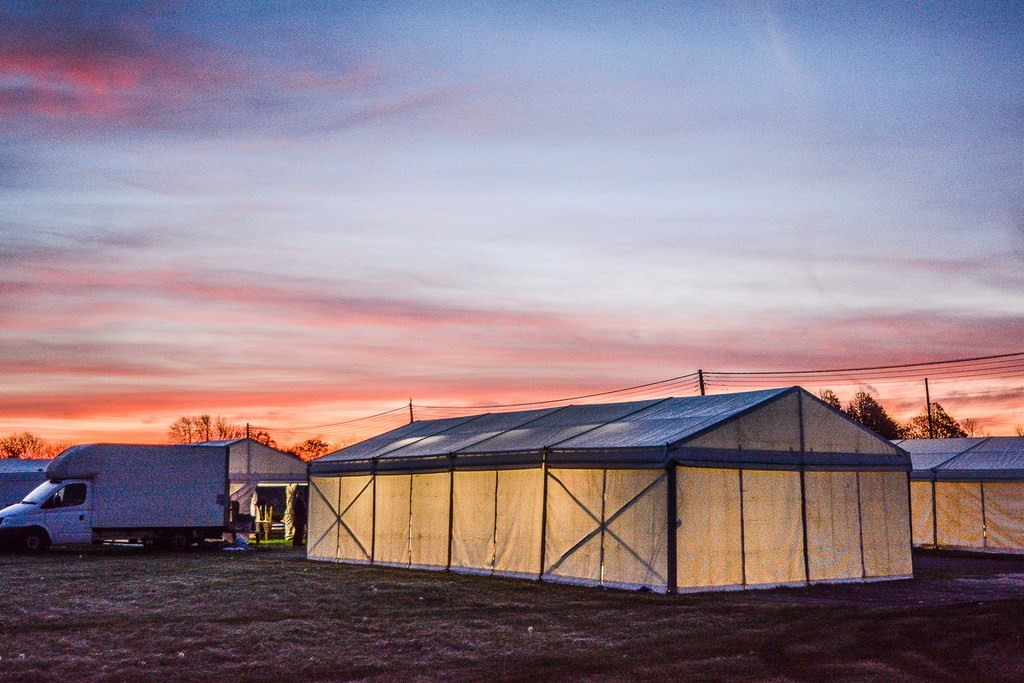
pixel 451 506
pixel 984 520
pixel 494 527
pixel 408 527
pixel 743 536
pixel 604 499
pixel 860 528
pixel 543 512
pixel 803 520
pixel 935 516
pixel 803 484
pixel 910 507
pixel 673 514
pixel 373 514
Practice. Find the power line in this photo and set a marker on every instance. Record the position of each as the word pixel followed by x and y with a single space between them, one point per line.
pixel 344 422
pixel 992 367
pixel 571 398
pixel 877 367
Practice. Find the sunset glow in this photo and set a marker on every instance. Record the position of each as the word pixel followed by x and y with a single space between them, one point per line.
pixel 298 215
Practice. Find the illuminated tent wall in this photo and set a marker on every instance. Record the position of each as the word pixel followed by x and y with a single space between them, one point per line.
pixel 968 493
pixel 755 489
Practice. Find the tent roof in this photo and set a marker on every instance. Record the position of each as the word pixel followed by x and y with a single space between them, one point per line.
pixel 993 457
pixel 617 434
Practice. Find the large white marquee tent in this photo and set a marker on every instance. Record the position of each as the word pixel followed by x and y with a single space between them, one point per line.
pixel 968 493
pixel 754 489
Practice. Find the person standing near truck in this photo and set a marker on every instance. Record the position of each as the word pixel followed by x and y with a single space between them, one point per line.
pixel 299 516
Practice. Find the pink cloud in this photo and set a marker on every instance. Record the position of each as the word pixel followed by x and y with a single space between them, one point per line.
pixel 62 65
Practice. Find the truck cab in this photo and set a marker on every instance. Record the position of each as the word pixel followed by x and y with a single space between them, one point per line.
pixel 56 512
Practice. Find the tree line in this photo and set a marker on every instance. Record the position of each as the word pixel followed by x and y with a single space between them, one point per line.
pixel 866 410
pixel 186 429
pixel 28 445
pixel 199 428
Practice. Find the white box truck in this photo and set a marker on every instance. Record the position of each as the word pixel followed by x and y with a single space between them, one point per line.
pixel 154 495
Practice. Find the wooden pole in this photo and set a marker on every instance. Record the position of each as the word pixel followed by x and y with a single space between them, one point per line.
pixel 928 401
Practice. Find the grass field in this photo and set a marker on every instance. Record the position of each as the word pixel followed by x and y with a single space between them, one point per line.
pixel 268 614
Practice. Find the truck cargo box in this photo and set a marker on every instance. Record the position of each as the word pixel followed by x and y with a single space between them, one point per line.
pixel 149 486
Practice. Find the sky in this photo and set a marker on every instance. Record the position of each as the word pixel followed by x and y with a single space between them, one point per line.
pixel 294 214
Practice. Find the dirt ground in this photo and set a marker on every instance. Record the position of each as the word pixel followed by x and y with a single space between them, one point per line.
pixel 270 615
pixel 941 578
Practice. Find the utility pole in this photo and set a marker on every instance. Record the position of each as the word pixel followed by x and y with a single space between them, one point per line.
pixel 411 418
pixel 700 381
pixel 928 400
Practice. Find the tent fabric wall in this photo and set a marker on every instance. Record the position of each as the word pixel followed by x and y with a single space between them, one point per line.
pixel 976 488
pixel 391 519
pixel 708 528
pixel 607 527
pixel 635 537
pixel 1004 515
pixel 959 514
pixel 474 497
pixel 885 520
pixel 573 538
pixel 833 525
pixel 322 524
pixel 970 515
pixel 770 428
pixel 823 433
pixel 428 542
pixel 772 528
pixel 355 518
pixel 923 521
pixel 518 522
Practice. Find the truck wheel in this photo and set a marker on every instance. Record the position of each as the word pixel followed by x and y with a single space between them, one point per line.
pixel 180 541
pixel 35 541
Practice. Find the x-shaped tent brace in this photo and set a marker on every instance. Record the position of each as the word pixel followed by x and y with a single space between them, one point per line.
pixel 338 521
pixel 603 526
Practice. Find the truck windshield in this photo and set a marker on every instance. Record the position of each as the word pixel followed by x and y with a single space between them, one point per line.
pixel 41 493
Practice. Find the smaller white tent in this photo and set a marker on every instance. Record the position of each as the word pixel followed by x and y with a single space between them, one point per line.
pixel 968 494
pixel 18 477
pixel 251 463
